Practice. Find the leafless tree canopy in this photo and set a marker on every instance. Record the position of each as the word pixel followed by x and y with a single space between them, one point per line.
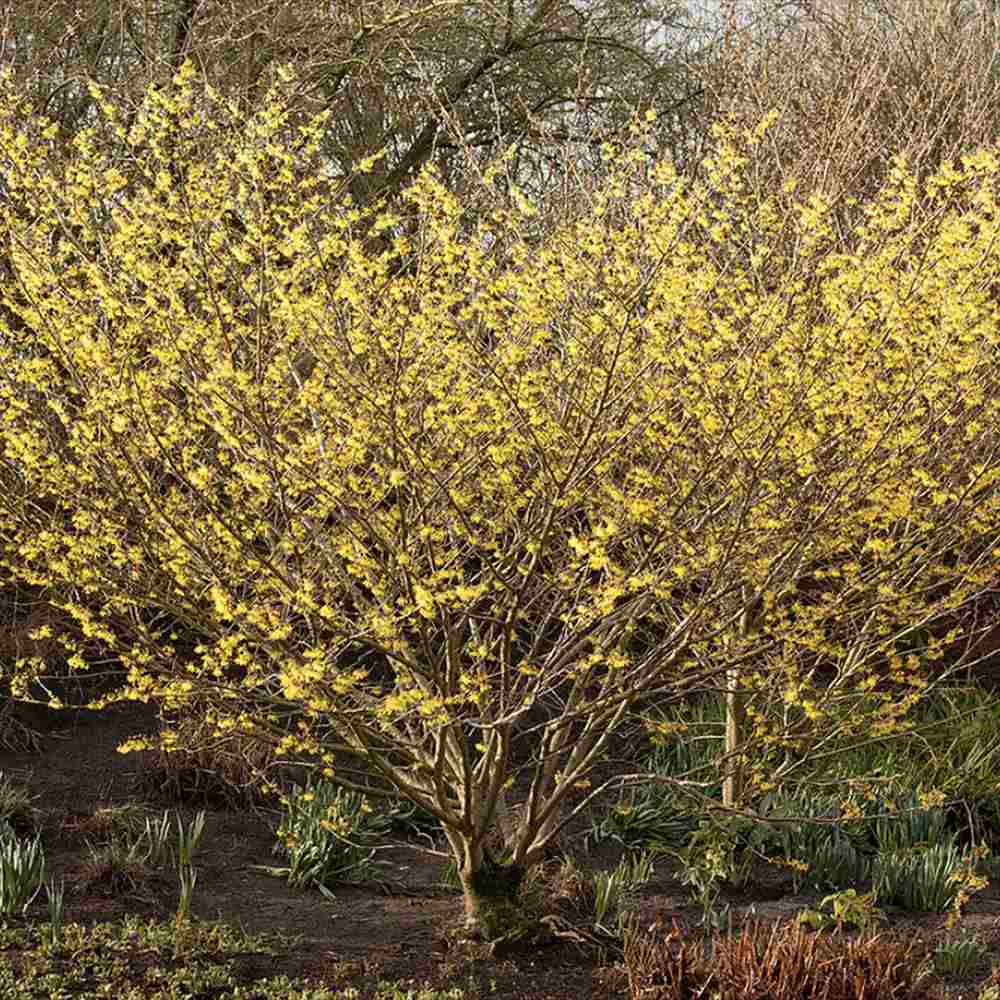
pixel 422 79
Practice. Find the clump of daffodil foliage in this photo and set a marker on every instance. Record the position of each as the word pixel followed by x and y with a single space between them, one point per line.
pixel 462 512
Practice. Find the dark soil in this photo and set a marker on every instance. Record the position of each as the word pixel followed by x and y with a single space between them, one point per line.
pixel 366 934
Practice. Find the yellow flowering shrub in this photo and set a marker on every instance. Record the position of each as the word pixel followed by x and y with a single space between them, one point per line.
pixel 441 505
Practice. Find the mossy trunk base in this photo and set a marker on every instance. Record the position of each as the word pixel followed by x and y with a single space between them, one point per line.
pixel 492 905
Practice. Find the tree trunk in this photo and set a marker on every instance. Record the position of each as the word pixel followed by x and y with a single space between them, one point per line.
pixel 490 898
pixel 489 891
pixel 732 786
pixel 736 710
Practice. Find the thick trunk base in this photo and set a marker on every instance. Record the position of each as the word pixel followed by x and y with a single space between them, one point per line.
pixel 491 896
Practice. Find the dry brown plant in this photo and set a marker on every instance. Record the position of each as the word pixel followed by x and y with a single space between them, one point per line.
pixel 779 961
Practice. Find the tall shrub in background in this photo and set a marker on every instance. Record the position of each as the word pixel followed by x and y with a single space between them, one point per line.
pixel 461 520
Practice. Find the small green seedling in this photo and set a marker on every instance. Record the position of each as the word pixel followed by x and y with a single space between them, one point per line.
pixel 848 910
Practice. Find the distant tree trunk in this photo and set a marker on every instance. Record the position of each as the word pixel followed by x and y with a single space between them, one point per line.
pixel 186 11
pixel 736 717
pixel 732 786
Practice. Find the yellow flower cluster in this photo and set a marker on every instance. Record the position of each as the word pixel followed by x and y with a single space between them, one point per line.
pixel 416 489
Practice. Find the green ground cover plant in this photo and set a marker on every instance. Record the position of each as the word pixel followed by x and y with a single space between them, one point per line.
pixel 895 796
pixel 16 805
pixel 844 840
pixel 615 892
pixel 845 909
pixel 928 880
pixel 141 960
pixel 653 815
pixel 903 842
pixel 22 871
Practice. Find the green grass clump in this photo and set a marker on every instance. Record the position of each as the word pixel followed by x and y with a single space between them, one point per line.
pixel 960 957
pixel 903 824
pixel 653 817
pixel 328 835
pixel 834 864
pixel 22 871
pixel 16 809
pixel 615 892
pixel 921 880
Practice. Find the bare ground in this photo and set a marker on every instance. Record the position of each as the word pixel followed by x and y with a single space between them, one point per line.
pixel 366 934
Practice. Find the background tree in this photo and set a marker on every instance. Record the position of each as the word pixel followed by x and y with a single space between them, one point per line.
pixel 421 80
pixel 857 84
